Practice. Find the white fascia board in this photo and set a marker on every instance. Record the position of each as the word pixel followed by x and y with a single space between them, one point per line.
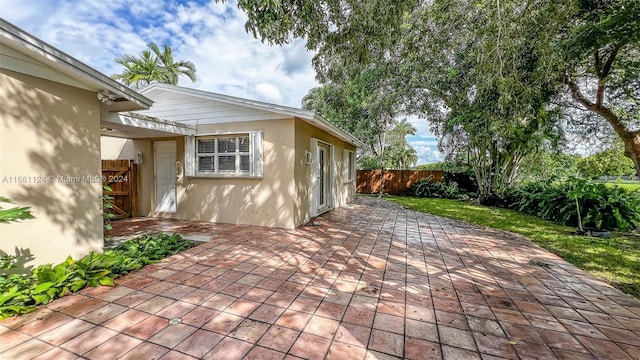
pixel 337 131
pixel 254 104
pixel 13 36
pixel 305 115
pixel 149 123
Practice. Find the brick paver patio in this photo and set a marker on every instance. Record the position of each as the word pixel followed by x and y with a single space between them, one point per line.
pixel 368 281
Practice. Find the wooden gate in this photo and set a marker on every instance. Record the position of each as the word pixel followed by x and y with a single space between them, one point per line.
pixel 121 177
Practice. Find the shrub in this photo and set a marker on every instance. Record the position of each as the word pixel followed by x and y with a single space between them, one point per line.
pixel 600 206
pixel 428 188
pixel 19 294
pixel 465 180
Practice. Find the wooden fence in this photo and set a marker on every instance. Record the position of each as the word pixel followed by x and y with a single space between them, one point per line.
pixel 121 177
pixel 396 182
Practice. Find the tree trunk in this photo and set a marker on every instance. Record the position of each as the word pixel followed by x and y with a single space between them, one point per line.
pixel 632 149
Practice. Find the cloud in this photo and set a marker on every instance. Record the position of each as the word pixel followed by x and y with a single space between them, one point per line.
pixel 211 34
pixel 427 154
pixel 422 125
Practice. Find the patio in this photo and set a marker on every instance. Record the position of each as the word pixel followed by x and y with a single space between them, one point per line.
pixel 367 281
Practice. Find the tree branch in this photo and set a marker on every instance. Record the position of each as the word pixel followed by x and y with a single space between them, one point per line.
pixel 607 66
pixel 605 112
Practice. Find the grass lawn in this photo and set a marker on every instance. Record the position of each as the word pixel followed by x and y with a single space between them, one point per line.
pixel 615 260
pixel 629 185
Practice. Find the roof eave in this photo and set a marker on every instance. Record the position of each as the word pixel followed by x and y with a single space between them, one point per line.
pixel 306 115
pixel 55 56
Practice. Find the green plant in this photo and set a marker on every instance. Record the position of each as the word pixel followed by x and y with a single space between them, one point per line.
pixel 13 214
pixel 428 188
pixel 107 208
pixel 20 294
pixel 578 202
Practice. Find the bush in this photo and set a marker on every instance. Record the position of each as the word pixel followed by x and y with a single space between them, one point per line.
pixel 600 206
pixel 465 180
pixel 428 188
pixel 20 294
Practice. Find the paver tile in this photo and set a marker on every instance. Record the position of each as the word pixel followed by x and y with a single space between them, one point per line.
pixel 386 342
pixel 88 340
pixel 421 349
pixel 62 333
pixel 454 353
pixel 147 327
pixel 26 350
pixel 199 343
pixel 391 323
pixel 342 351
pixel 229 349
pixel 603 348
pixel 457 338
pixel 113 348
pixel 41 325
pixel 260 353
pixel 56 354
pixel 145 351
pixel 368 281
pixel 309 346
pixel 353 334
pixel 249 330
pixel 199 316
pixel 223 323
pixel 279 338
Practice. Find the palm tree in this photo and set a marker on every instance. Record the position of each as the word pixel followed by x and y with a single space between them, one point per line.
pixel 401 154
pixel 400 131
pixel 173 69
pixel 139 71
pixel 153 66
pixel 409 157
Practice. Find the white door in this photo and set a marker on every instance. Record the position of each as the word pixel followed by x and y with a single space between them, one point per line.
pixel 165 168
pixel 324 177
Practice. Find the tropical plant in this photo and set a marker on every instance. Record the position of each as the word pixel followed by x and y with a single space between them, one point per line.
pixel 435 189
pixel 107 209
pixel 13 214
pixel 578 202
pixel 154 65
pixel 20 294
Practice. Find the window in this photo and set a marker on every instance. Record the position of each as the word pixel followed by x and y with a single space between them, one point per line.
pixel 224 155
pixel 349 165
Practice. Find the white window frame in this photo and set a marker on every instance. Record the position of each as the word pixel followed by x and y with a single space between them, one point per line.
pixel 348 166
pixel 192 155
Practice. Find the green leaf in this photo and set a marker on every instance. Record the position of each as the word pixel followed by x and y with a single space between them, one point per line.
pixel 42 287
pixel 107 281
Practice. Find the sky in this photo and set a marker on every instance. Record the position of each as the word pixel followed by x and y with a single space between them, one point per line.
pixel 228 60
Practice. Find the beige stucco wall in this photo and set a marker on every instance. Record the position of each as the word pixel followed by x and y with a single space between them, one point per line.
pixel 265 202
pixel 49 141
pixel 113 148
pixel 343 191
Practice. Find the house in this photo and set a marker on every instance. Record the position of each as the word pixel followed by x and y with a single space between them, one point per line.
pixel 50 120
pixel 226 159
pixel 202 156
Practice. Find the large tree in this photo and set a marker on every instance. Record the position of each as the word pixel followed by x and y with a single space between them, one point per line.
pixel 601 53
pixel 578 40
pixel 153 65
